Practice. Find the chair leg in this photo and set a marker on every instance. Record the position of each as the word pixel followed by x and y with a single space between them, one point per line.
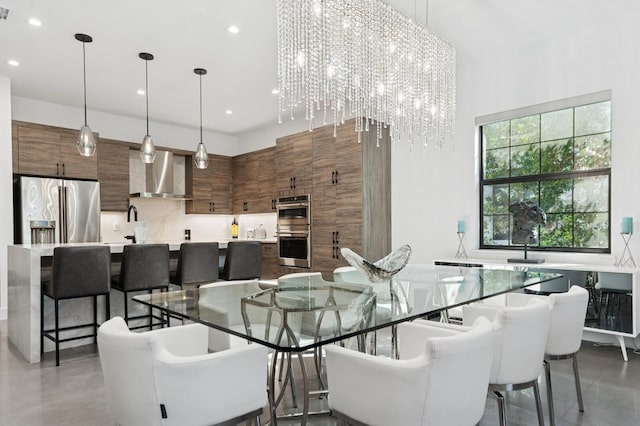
pixel 258 421
pixel 502 410
pixel 576 375
pixel 107 306
pixel 126 308
pixel 41 322
pixel 536 394
pixel 547 374
pixel 95 319
pixel 150 292
pixel 57 334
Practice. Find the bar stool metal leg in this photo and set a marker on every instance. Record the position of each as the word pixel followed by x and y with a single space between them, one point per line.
pixel 57 334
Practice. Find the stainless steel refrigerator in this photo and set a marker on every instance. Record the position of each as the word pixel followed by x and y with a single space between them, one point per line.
pixel 68 209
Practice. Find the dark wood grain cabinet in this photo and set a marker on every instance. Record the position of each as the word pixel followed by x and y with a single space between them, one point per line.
pixel 351 196
pixel 294 162
pixel 254 186
pixel 113 175
pixel 210 187
pixel 14 147
pixel 270 267
pixel 51 151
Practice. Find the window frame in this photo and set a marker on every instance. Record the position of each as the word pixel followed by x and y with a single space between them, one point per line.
pixel 539 109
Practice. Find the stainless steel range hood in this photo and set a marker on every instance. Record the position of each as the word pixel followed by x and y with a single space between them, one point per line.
pixel 159 179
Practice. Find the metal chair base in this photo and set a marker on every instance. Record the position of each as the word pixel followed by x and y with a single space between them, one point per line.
pixel 164 318
pixel 55 337
pixel 576 376
pixel 494 391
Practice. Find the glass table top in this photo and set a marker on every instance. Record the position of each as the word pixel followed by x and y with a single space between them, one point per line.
pixel 305 311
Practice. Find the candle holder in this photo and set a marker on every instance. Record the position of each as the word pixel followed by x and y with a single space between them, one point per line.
pixel 627 258
pixel 461 253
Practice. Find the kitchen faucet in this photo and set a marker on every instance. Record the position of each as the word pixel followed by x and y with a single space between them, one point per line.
pixel 135 213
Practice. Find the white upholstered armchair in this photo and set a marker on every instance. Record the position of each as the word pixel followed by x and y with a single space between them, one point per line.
pixel 568 311
pixel 521 336
pixel 443 369
pixel 166 377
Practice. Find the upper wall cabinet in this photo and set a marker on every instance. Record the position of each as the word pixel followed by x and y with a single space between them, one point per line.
pixel 211 187
pixel 113 175
pixel 50 151
pixel 294 162
pixel 254 182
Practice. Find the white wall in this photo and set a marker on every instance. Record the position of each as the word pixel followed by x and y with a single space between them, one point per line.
pixel 431 194
pixel 6 188
pixel 266 137
pixel 118 127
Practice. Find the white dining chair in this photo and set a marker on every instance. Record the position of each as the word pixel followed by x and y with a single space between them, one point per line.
pixel 444 368
pixel 521 336
pixel 568 311
pixel 166 377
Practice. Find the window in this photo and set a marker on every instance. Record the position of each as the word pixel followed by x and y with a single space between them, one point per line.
pixel 557 155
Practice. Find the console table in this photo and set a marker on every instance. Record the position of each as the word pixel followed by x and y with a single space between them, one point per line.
pixel 613 306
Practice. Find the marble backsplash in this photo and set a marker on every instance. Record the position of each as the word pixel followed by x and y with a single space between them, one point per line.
pixel 167 222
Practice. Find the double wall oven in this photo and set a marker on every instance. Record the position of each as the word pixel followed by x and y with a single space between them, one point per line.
pixel 294 231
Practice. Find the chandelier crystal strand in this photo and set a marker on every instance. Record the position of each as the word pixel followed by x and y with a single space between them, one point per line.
pixel 366 59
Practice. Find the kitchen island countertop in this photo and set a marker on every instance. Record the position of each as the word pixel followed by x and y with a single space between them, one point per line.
pixel 117 247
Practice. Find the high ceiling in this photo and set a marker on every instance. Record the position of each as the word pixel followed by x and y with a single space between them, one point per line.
pixel 241 68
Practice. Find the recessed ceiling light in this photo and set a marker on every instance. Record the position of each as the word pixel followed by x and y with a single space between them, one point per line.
pixel 275 91
pixel 35 22
pixel 229 112
pixel 233 29
pixel 13 62
pixel 140 92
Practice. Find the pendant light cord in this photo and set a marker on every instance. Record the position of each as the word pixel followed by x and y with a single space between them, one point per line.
pixel 84 77
pixel 200 108
pixel 146 89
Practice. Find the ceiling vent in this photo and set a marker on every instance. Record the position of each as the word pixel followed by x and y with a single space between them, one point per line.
pixel 4 13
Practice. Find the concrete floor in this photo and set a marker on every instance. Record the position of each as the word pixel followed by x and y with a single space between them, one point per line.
pixel 73 394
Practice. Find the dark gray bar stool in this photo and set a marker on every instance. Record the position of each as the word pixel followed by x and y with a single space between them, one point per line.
pixel 76 272
pixel 243 261
pixel 197 264
pixel 144 267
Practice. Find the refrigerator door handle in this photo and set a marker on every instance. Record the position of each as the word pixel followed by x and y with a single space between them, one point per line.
pixel 60 214
pixel 65 218
pixel 62 217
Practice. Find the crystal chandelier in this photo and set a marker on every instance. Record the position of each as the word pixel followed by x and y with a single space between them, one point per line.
pixel 364 58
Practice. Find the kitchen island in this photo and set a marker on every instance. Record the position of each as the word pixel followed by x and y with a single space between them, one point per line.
pixel 26 264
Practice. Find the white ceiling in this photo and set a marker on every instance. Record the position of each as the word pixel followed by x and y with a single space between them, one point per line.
pixel 241 68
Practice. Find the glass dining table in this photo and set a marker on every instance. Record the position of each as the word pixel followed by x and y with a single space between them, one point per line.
pixel 307 314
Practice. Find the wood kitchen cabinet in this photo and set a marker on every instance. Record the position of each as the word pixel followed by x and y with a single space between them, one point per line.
pixel 253 176
pixel 211 187
pixel 113 175
pixel 270 268
pixel 51 151
pixel 350 205
pixel 294 163
pixel 14 146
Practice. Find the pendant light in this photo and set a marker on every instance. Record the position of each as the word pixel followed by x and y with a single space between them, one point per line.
pixel 147 150
pixel 86 143
pixel 201 158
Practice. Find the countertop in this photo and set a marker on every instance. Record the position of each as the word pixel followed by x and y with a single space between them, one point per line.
pixel 118 247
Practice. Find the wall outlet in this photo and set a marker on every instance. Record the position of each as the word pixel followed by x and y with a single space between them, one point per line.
pixel 116 226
